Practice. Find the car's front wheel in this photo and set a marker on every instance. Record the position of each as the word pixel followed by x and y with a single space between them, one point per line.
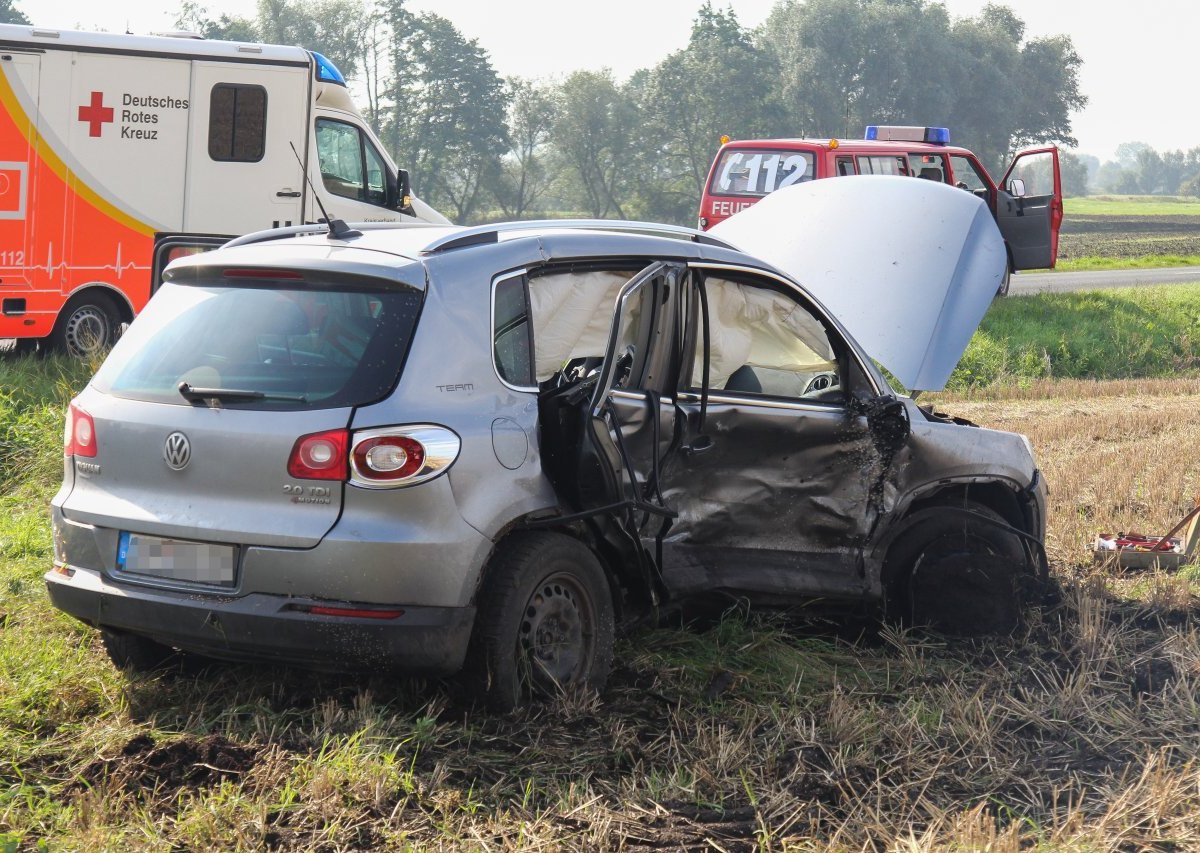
pixel 544 623
pixel 961 572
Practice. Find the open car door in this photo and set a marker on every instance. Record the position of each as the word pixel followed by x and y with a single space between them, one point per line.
pixel 1029 208
pixel 605 428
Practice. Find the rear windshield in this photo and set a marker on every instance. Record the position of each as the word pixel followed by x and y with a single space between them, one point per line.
pixel 298 349
pixel 758 171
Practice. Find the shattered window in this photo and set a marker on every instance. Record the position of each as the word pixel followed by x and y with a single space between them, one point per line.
pixel 513 348
pixel 763 342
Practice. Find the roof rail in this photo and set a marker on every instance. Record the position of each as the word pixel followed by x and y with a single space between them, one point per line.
pixel 481 234
pixel 318 228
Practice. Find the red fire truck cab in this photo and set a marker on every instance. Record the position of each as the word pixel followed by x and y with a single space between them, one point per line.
pixel 1027 203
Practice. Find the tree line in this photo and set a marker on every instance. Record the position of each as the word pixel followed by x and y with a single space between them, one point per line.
pixel 481 146
pixel 1139 169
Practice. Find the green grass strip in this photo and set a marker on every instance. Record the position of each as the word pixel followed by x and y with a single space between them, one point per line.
pixel 1119 333
pixel 1147 262
pixel 1137 205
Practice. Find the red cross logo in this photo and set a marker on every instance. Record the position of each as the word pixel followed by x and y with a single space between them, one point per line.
pixel 96 114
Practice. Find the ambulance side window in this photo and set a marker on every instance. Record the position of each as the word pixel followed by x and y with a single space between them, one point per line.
pixel 350 165
pixel 237 123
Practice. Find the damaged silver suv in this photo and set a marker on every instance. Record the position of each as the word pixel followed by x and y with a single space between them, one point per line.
pixel 439 449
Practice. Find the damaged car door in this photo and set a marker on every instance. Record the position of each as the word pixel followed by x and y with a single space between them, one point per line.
pixel 780 475
pixel 605 426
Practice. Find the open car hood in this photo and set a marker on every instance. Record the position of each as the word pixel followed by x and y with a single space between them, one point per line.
pixel 908 266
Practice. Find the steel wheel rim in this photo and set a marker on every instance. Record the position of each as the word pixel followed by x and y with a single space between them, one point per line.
pixel 556 636
pixel 86 331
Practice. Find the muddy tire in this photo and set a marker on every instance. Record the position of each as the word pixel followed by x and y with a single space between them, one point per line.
pixel 136 654
pixel 960 575
pixel 544 623
pixel 86 327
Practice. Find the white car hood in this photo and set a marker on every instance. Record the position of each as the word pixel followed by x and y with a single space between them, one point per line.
pixel 908 266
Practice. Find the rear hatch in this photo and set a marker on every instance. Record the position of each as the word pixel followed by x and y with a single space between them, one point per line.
pixel 199 411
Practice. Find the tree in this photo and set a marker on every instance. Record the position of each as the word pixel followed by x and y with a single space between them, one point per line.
pixel 596 123
pixel 335 28
pixel 1074 174
pixel 524 177
pixel 721 83
pixel 195 18
pixel 446 111
pixel 1127 153
pixel 9 14
pixel 848 63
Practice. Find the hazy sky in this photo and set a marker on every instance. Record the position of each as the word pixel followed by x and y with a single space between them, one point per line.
pixel 1138 58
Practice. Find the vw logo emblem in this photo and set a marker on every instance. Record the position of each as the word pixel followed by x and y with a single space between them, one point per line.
pixel 177 451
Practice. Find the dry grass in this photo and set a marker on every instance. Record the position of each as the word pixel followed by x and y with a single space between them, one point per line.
pixel 1082 733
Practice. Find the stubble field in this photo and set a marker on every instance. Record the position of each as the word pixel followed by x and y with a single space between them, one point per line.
pixel 756 732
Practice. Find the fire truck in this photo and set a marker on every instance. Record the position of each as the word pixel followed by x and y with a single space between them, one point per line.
pixel 119 153
pixel 1027 202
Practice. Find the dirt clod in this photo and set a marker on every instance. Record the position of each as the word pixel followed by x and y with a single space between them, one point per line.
pixel 190 762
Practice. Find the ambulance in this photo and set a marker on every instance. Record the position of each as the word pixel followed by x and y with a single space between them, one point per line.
pixel 1027 203
pixel 119 153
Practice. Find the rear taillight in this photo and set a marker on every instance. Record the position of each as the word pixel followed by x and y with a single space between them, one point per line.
pixel 401 456
pixel 79 434
pixel 375 458
pixel 320 456
pixel 388 457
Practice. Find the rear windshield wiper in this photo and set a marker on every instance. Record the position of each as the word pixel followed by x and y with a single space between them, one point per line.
pixel 198 395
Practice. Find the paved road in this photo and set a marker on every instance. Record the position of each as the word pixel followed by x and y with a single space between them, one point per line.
pixel 1061 282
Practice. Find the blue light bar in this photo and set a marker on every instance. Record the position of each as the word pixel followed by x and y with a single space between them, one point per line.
pixel 327 72
pixel 896 133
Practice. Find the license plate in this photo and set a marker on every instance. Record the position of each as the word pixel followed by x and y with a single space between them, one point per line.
pixel 177 559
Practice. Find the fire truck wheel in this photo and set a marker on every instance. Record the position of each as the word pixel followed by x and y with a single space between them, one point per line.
pixel 1005 282
pixel 86 327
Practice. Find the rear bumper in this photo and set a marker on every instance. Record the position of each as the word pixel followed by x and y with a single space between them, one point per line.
pixel 269 628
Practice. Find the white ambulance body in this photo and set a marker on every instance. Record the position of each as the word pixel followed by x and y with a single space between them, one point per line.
pixel 119 152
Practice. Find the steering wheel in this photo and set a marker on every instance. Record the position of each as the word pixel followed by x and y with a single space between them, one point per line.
pixel 821 382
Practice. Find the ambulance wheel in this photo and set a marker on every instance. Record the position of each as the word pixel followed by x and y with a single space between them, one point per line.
pixel 86 327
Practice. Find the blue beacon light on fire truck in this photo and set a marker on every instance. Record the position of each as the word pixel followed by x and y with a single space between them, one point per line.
pixel 890 133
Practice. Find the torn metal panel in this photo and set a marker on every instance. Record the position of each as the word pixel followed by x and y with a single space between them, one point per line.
pixel 778 502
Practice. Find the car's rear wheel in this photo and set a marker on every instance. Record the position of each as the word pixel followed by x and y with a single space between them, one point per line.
pixel 544 623
pixel 960 573
pixel 86 327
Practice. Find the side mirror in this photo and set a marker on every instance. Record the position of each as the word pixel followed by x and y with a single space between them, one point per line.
pixel 887 419
pixel 403 196
pixel 1016 188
